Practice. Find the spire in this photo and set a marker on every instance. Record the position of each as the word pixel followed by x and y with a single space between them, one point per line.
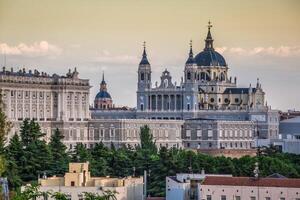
pixel 144 60
pixel 103 83
pixel 190 59
pixel 209 41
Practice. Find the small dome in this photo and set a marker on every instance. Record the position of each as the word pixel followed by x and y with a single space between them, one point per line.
pixel 209 57
pixel 102 95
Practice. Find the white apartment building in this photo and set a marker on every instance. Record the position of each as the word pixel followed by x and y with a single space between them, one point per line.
pixel 249 188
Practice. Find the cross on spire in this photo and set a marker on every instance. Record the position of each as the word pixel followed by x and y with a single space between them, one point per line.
pixel 144 60
pixel 209 40
pixel 209 24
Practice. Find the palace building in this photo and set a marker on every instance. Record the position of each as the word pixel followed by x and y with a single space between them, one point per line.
pixel 206 110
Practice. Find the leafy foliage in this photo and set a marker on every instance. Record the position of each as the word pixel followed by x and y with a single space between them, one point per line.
pixel 28 155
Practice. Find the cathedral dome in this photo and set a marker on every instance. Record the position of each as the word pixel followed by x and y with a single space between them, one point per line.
pixel 209 57
pixel 102 95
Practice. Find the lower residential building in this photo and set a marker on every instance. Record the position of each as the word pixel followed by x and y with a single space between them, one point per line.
pixel 185 186
pixel 78 181
pixel 250 188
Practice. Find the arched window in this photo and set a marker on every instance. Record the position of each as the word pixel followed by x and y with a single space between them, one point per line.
pixel 142 76
pixel 189 76
pixel 202 75
pixel 142 107
pixel 222 77
pixel 166 83
pixel 188 106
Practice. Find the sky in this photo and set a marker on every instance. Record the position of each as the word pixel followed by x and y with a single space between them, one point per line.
pixel 258 38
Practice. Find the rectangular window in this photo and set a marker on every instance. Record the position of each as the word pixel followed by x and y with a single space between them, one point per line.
pixel 221 133
pixel 237 197
pixel 223 197
pixel 282 198
pixel 209 133
pixel 268 198
pixel 188 133
pixel 252 198
pixel 208 197
pixel 199 133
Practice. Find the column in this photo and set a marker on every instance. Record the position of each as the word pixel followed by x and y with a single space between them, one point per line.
pixel 150 102
pixel 156 102
pixel 169 102
pixel 8 104
pixel 175 101
pixel 30 104
pixel 87 105
pixel 16 107
pixel 80 105
pixel 162 102
pixel 23 104
pixel 72 95
pixel 51 105
pixel 45 110
pixel 59 105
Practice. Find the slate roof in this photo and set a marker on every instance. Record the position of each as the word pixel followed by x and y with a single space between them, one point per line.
pixel 238 90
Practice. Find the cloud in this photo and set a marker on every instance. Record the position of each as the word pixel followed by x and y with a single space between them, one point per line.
pixel 282 51
pixel 105 57
pixel 42 48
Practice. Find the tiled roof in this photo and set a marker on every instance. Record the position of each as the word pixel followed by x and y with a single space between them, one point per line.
pixel 250 181
pixel 155 198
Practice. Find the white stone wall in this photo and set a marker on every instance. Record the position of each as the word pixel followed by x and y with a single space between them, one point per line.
pixel 246 192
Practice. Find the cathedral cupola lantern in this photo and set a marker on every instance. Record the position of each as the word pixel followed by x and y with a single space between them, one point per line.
pixel 103 99
pixel 190 59
pixel 209 41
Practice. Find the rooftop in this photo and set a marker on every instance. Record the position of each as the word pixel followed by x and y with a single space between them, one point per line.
pixel 250 181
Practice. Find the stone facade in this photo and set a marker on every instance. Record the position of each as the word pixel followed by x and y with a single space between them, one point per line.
pixel 53 101
pixel 217 134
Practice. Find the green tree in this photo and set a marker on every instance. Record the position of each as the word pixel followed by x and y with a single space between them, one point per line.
pixel 5 125
pixel 60 157
pixel 37 156
pixel 81 154
pixel 107 195
pixel 30 192
pixel 99 162
pixel 147 141
pixel 15 159
pixel 59 196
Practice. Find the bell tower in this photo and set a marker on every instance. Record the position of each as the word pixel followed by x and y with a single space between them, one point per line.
pixel 144 72
pixel 144 82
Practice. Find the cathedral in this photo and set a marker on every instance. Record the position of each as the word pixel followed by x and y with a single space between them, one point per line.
pixel 205 111
pixel 206 86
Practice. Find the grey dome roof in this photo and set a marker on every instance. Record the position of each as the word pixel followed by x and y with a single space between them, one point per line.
pixel 102 95
pixel 210 57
